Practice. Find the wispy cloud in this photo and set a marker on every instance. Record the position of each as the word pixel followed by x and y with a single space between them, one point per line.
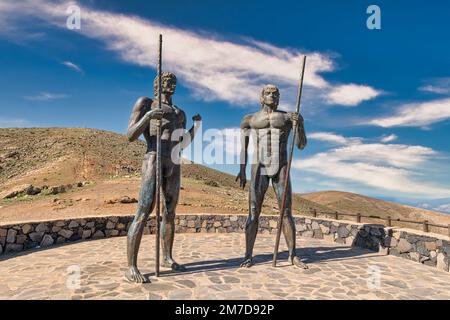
pixel 13 123
pixel 333 138
pixel 387 167
pixel 389 138
pixel 73 66
pixel 437 86
pixel 418 114
pixel 46 96
pixel 351 95
pixel 214 68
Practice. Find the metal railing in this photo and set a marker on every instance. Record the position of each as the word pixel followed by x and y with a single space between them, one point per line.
pixel 358 217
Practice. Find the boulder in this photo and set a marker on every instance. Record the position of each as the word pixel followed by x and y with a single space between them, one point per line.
pixel 73 224
pixel 404 246
pixel 41 227
pixel 442 262
pixel 47 241
pixel 11 236
pixel 27 228
pixel 36 236
pixel 343 232
pixel 65 233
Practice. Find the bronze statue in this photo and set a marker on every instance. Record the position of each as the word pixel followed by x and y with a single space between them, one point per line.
pixel 266 126
pixel 143 120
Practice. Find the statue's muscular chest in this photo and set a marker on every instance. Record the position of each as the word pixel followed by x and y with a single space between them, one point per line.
pixel 172 119
pixel 269 120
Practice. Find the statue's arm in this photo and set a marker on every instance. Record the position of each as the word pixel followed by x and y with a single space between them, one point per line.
pixel 300 138
pixel 140 117
pixel 245 138
pixel 189 136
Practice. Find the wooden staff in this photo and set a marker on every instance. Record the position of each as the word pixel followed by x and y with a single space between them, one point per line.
pixel 158 162
pixel 288 168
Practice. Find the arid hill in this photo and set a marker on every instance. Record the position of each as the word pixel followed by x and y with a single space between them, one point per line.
pixel 51 157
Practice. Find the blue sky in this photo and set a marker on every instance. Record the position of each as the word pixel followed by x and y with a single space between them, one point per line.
pixel 376 102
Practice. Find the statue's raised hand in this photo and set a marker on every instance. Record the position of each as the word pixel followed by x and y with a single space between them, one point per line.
pixel 295 117
pixel 242 178
pixel 197 117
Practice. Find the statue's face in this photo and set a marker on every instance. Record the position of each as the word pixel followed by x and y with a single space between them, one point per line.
pixel 271 97
pixel 168 86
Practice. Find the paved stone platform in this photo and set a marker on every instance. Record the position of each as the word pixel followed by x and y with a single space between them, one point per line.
pixel 336 272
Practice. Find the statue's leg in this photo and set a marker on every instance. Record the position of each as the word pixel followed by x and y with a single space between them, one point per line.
pixel 171 190
pixel 145 206
pixel 288 220
pixel 258 187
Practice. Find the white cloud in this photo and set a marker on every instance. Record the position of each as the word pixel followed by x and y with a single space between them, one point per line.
pixel 13 123
pixel 443 208
pixel 438 86
pixel 332 137
pixel 388 167
pixel 46 96
pixel 351 95
pixel 389 138
pixel 213 67
pixel 418 114
pixel 72 66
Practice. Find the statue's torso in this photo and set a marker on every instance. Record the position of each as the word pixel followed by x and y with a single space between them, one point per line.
pixel 172 120
pixel 270 132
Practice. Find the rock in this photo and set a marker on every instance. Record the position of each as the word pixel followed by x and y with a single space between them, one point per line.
pixel 86 234
pixel 99 234
pixel 47 241
pixel 191 224
pixel 3 232
pixel 60 223
pixel 433 254
pixel 422 250
pixel 41 227
pixel 90 224
pixel 390 242
pixel 308 234
pixel 36 236
pixel 1 249
pixel 414 256
pixel 56 229
pixel 112 233
pixel 325 229
pixel 404 246
pixel 14 192
pixel 431 245
pixel 11 236
pixel 57 189
pixel 343 232
pixel 65 233
pixel 32 191
pixel 121 226
pixel 27 228
pixel 73 224
pixel 300 227
pixel 12 247
pixel 217 224
pixel 272 224
pixel 110 225
pixel 20 239
pixel 233 218
pixel 442 262
pixel 123 199
pixel 315 225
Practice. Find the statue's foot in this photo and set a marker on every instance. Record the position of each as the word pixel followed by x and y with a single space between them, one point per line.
pixel 133 275
pixel 170 263
pixel 297 262
pixel 247 263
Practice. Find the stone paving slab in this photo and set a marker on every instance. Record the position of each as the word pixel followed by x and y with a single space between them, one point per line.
pixel 336 272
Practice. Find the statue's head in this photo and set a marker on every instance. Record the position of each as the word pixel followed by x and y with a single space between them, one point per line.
pixel 270 96
pixel 168 84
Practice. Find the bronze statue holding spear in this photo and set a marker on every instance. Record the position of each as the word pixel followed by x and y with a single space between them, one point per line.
pixel 270 129
pixel 157 119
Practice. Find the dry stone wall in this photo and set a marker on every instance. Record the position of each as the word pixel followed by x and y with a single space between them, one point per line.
pixel 433 250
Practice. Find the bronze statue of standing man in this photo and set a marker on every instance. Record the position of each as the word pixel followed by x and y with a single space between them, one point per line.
pixel 270 129
pixel 143 120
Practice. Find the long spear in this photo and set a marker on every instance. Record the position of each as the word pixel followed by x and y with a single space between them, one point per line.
pixel 158 162
pixel 288 168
